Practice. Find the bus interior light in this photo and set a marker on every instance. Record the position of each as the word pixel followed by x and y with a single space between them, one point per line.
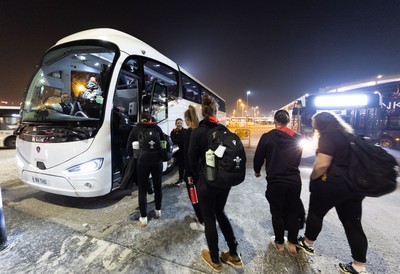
pixel 341 100
pixel 89 166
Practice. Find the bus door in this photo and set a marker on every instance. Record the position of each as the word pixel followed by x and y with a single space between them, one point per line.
pixel 124 115
pixel 160 86
pixel 138 89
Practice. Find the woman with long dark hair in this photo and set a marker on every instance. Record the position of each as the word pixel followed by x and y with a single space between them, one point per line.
pixel 329 189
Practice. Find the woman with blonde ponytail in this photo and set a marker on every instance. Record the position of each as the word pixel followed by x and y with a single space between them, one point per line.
pixel 212 200
pixel 192 121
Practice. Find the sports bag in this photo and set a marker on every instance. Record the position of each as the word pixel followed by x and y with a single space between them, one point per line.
pixel 225 158
pixel 371 171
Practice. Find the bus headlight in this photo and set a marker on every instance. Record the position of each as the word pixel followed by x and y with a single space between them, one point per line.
pixel 306 144
pixel 308 147
pixel 89 166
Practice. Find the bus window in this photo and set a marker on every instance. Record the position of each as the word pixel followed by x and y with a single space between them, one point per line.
pixel 9 120
pixel 191 90
pixel 157 72
pixel 219 101
pixel 68 70
pixel 394 122
pixel 159 79
pixel 127 89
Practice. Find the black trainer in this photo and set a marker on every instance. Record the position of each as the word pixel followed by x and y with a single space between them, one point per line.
pixel 178 183
pixel 301 243
pixel 349 269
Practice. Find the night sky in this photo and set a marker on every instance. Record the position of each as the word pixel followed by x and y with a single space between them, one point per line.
pixel 279 50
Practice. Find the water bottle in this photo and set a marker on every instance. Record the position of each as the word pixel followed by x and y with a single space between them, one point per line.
pixel 210 166
pixel 193 194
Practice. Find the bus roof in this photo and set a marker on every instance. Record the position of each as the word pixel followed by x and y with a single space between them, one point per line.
pixel 375 81
pixel 126 43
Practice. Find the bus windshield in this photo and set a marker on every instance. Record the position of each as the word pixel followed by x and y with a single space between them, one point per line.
pixel 9 118
pixel 70 85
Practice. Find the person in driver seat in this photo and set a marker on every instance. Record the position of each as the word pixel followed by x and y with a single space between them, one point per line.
pixel 65 106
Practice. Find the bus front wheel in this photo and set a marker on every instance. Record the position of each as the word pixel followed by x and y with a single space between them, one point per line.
pixel 386 142
pixel 10 142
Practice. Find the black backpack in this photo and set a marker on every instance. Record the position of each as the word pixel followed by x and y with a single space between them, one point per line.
pixel 372 171
pixel 149 145
pixel 230 169
pixel 149 139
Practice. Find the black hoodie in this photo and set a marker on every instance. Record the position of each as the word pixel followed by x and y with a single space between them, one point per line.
pixel 281 151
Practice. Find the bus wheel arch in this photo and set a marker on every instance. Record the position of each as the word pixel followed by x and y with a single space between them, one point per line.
pixel 10 141
pixel 387 141
pixel 170 165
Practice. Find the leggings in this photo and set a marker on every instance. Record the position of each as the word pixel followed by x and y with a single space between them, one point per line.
pixel 212 202
pixel 326 195
pixel 143 173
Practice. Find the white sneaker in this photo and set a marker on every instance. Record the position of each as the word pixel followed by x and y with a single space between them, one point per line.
pixel 157 214
pixel 197 226
pixel 143 221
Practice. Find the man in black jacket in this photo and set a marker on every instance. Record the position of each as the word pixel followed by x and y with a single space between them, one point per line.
pixel 280 151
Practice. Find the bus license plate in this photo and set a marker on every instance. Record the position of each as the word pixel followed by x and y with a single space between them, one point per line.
pixel 39 180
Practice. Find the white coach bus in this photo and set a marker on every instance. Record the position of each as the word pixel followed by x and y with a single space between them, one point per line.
pixel 82 102
pixel 9 118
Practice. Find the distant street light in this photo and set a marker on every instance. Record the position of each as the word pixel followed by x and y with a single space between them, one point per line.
pixel 254 110
pixel 242 105
pixel 247 101
pixel 237 104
